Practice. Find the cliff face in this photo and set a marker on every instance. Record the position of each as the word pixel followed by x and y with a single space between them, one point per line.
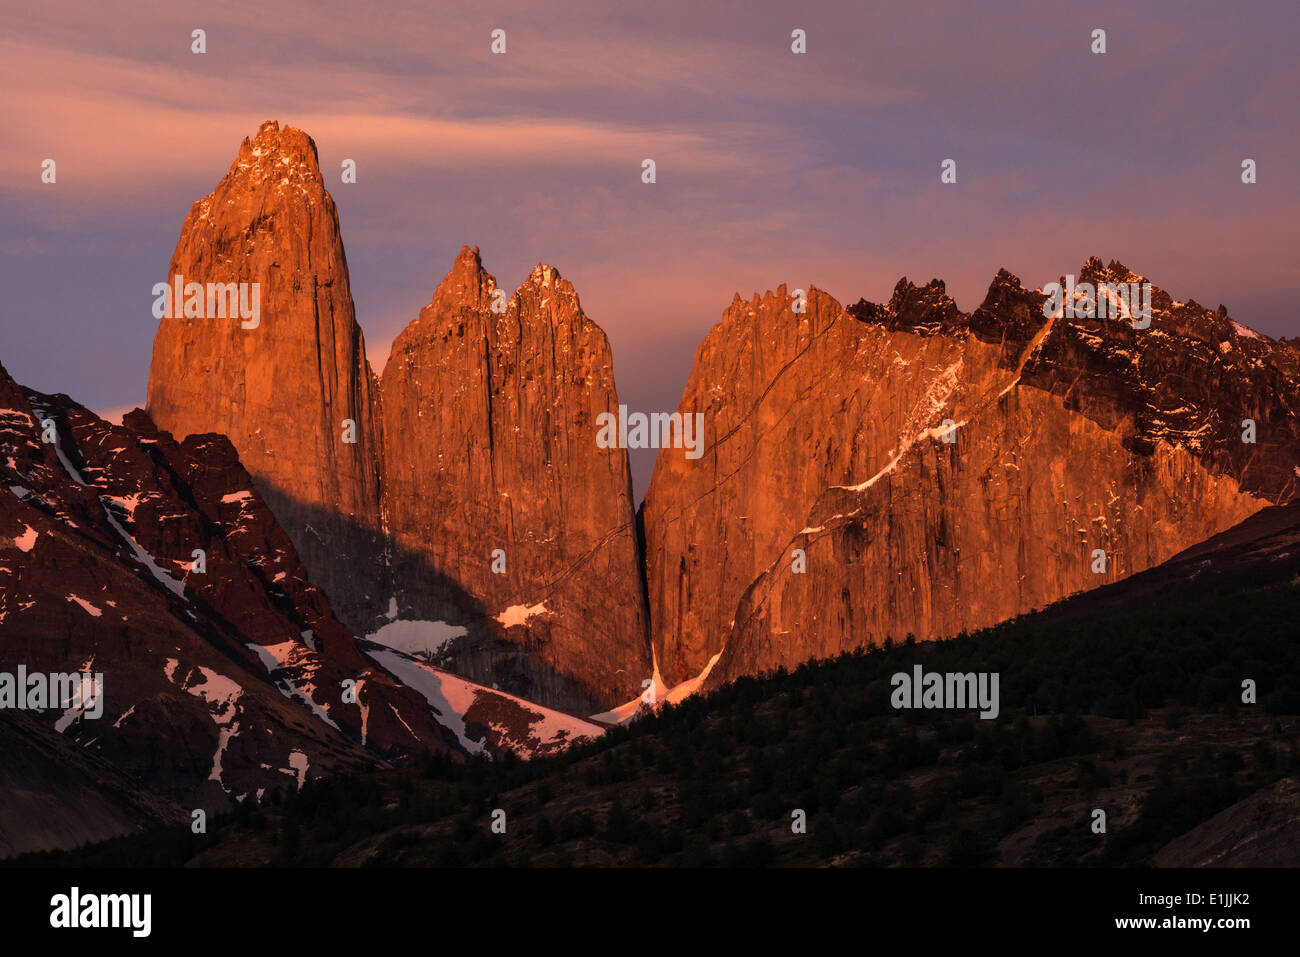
pixel 507 521
pixel 284 385
pixel 828 512
pixel 792 403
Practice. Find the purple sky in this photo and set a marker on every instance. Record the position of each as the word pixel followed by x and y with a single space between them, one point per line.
pixel 818 169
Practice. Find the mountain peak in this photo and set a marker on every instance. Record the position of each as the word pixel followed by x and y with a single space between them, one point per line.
pixel 466 285
pixel 1010 313
pixel 271 226
pixel 544 275
pixel 275 151
pixel 1095 272
pixel 468 260
pixel 925 310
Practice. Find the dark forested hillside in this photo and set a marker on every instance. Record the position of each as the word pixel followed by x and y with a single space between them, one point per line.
pixel 1127 700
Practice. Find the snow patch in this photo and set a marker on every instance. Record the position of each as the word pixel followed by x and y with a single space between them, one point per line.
pixel 519 614
pixel 298 762
pixel 221 695
pixel 277 659
pixel 662 693
pixel 90 609
pixel 451 697
pixel 447 697
pixel 416 637
pixel 142 556
pixel 27 540
pixel 87 691
pixel 68 467
pixel 127 503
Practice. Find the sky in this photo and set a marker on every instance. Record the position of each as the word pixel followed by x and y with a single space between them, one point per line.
pixel 821 168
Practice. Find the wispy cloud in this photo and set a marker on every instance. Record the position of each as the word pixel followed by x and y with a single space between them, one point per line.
pixel 815 169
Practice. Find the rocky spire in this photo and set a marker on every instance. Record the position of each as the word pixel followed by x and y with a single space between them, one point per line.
pixel 286 379
pixel 507 519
